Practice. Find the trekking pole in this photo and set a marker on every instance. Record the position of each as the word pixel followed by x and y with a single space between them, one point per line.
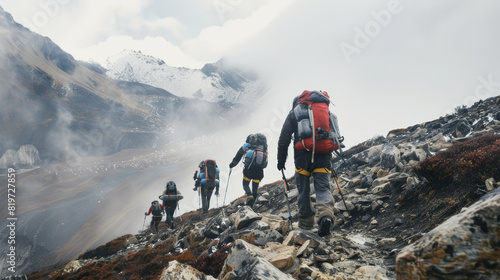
pixel 340 192
pixel 199 197
pixel 144 223
pixel 179 212
pixel 228 176
pixel 287 200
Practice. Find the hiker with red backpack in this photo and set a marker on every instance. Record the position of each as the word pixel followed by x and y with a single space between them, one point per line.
pixel 207 180
pixel 316 135
pixel 157 210
pixel 170 197
pixel 255 160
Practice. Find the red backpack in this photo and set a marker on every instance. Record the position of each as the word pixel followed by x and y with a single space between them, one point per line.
pixel 312 114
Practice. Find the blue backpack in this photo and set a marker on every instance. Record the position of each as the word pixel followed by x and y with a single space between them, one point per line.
pixel 255 151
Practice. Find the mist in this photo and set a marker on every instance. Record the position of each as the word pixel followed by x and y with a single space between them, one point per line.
pixel 421 60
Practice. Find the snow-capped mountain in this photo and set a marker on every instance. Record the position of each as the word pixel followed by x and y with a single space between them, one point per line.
pixel 214 82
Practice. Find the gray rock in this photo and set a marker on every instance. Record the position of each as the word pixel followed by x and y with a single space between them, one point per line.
pixel 264 237
pixel 490 184
pixel 370 156
pixel 460 246
pixel 390 156
pixel 244 217
pixel 245 262
pixel 463 128
pixel 176 270
pixel 414 154
pixel 258 225
pixel 300 236
pixel 341 206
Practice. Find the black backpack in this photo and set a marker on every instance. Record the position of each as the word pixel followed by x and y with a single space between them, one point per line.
pixel 156 209
pixel 171 188
pixel 255 151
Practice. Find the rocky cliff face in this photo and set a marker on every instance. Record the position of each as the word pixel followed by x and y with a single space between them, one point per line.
pixel 405 216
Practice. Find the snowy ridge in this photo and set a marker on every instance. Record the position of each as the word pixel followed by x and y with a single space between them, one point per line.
pixel 214 82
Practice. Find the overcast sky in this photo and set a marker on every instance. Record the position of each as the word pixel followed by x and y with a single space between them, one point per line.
pixel 386 63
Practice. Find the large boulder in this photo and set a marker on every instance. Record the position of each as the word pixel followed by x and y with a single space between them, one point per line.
pixel 246 261
pixel 466 246
pixel 175 271
pixel 244 217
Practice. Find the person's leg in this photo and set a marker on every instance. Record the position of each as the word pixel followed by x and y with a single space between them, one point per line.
pixel 246 185
pixel 324 200
pixel 169 211
pixel 155 221
pixel 255 187
pixel 306 212
pixel 209 195
pixel 204 200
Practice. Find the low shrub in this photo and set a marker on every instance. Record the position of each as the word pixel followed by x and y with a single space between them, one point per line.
pixel 472 161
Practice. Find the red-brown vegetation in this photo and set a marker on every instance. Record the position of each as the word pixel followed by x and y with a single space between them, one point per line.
pixel 472 161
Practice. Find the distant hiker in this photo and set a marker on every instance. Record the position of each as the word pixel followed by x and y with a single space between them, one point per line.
pixel 208 180
pixel 170 197
pixel 157 210
pixel 312 155
pixel 255 160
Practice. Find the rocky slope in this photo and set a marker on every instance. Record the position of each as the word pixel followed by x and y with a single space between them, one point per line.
pixel 214 82
pixel 421 203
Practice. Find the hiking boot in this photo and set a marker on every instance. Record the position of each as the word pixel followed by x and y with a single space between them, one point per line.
pixel 250 201
pixel 324 226
pixel 306 223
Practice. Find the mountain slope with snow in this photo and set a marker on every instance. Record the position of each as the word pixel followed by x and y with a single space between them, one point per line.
pixel 214 82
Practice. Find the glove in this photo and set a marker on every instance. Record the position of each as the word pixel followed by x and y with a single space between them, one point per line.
pixel 281 165
pixel 145 213
pixel 217 192
pixel 231 165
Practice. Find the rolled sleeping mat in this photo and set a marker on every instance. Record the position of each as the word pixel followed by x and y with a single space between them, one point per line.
pixel 171 197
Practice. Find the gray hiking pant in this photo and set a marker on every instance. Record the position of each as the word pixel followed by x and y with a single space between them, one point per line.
pixel 324 198
pixel 320 171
